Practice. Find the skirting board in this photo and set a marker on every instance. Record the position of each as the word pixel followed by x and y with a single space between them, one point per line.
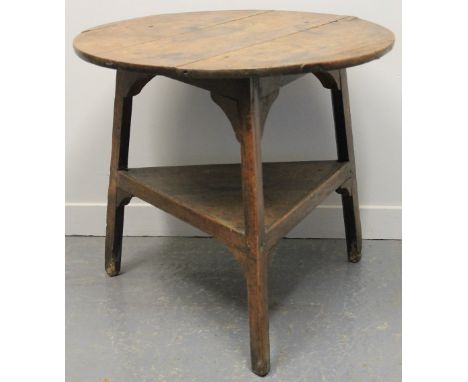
pixel 378 222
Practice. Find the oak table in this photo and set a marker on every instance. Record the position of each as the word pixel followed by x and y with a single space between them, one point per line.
pixel 242 58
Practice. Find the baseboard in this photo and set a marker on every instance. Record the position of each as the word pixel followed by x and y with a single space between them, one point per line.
pixel 378 222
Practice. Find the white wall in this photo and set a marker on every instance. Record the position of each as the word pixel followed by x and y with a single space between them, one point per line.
pixel 177 124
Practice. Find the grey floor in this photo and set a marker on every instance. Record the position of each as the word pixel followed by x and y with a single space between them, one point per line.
pixel 178 312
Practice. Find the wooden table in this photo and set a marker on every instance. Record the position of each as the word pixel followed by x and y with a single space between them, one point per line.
pixel 242 58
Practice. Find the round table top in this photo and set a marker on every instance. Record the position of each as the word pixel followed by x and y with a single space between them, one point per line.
pixel 224 44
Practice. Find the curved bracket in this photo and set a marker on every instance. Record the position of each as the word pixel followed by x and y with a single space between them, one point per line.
pixel 130 84
pixel 346 188
pixel 234 95
pixel 329 80
pixel 122 198
pixel 266 103
pixel 234 107
pixel 231 108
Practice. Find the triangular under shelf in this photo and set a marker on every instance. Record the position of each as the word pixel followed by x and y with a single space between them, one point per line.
pixel 210 196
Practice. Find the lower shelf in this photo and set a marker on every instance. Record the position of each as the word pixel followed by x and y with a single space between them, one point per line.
pixel 210 197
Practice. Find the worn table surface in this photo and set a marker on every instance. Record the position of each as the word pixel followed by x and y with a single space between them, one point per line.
pixel 234 43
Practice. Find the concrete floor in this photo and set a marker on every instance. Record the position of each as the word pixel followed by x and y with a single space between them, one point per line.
pixel 178 312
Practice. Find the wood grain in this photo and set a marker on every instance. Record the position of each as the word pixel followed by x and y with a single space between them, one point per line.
pixel 230 44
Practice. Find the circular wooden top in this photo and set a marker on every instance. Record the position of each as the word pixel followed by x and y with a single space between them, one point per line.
pixel 234 43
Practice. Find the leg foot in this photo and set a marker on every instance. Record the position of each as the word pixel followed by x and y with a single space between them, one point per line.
pixel 114 230
pixel 349 198
pixel 354 256
pixel 113 268
pixel 261 368
pixel 258 318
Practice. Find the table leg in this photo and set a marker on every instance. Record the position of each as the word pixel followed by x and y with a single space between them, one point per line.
pixel 252 192
pixel 128 84
pixel 257 297
pixel 247 112
pixel 349 199
pixel 344 143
